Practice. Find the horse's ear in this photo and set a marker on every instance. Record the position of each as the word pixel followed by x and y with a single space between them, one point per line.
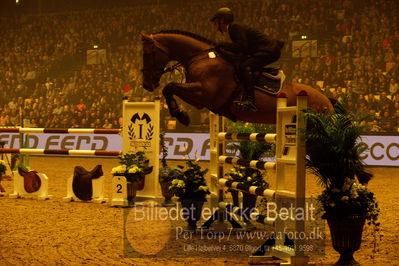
pixel 146 38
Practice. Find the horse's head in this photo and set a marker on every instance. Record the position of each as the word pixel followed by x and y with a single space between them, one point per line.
pixel 155 58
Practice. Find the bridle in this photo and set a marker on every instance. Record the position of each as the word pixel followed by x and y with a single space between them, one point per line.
pixel 154 72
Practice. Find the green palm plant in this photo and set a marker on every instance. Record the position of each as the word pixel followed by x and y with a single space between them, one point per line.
pixel 250 150
pixel 333 146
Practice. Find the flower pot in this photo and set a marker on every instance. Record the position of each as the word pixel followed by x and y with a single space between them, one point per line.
pixel 131 191
pixel 346 236
pixel 167 194
pixel 248 205
pixel 141 183
pixel 138 178
pixel 192 210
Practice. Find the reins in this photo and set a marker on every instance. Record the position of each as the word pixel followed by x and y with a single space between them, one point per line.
pixel 190 61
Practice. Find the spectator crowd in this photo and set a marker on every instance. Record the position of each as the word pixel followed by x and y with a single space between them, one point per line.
pixel 47 80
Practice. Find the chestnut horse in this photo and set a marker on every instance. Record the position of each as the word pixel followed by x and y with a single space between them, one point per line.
pixel 210 81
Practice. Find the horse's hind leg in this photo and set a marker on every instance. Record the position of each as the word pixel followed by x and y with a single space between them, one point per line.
pixel 170 90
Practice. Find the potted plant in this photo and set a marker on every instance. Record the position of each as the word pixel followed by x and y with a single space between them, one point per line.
pixel 134 167
pixel 166 175
pixel 191 188
pixel 249 151
pixel 333 147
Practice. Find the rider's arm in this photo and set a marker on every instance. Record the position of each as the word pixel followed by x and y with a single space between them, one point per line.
pixel 238 36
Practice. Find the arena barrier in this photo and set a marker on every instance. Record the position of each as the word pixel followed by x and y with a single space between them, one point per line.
pixel 140 133
pixel 290 150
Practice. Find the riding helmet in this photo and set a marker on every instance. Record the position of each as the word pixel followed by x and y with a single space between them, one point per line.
pixel 224 13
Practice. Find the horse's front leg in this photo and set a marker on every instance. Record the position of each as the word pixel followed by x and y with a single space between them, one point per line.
pixel 187 92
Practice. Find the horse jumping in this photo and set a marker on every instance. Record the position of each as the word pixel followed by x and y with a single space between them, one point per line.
pixel 210 80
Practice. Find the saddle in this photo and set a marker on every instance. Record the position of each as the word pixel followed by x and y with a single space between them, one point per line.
pixel 32 180
pixel 269 80
pixel 82 181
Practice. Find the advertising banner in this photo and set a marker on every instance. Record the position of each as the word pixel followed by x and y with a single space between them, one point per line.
pixel 380 150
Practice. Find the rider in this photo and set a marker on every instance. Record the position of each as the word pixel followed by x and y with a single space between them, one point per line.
pixel 257 50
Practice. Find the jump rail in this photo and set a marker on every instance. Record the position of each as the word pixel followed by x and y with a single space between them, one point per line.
pixel 60 130
pixel 61 152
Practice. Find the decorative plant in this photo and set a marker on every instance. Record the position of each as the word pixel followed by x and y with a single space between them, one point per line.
pixel 248 176
pixel 189 182
pixel 133 166
pixel 252 150
pixel 333 146
pixel 166 173
pixel 164 149
pixel 17 163
pixel 352 199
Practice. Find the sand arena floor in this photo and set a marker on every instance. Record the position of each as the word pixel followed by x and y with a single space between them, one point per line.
pixel 53 232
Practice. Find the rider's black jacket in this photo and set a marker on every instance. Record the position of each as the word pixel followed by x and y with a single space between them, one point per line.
pixel 249 41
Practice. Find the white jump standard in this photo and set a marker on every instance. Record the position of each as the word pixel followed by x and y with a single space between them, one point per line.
pixel 290 150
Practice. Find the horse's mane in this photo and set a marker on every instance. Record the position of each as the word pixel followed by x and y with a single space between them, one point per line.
pixel 189 34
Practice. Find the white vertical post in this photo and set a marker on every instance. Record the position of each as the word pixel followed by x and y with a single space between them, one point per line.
pixel 280 165
pixel 300 189
pixel 141 133
pixel 119 191
pixel 43 191
pixel 213 145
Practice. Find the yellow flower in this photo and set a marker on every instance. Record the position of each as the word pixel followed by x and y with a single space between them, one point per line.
pixel 354 194
pixel 120 169
pixel 332 204
pixel 249 178
pixel 361 187
pixel 132 170
pixel 181 183
pixel 345 198
pixel 175 181
pixel 204 188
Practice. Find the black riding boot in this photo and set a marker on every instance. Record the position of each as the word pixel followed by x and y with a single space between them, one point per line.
pixel 248 97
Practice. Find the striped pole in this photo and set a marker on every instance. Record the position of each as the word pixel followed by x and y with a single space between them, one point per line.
pixel 61 152
pixel 260 165
pixel 258 137
pixel 254 190
pixel 60 130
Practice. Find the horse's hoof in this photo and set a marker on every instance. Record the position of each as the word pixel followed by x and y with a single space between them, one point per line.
pixel 183 118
